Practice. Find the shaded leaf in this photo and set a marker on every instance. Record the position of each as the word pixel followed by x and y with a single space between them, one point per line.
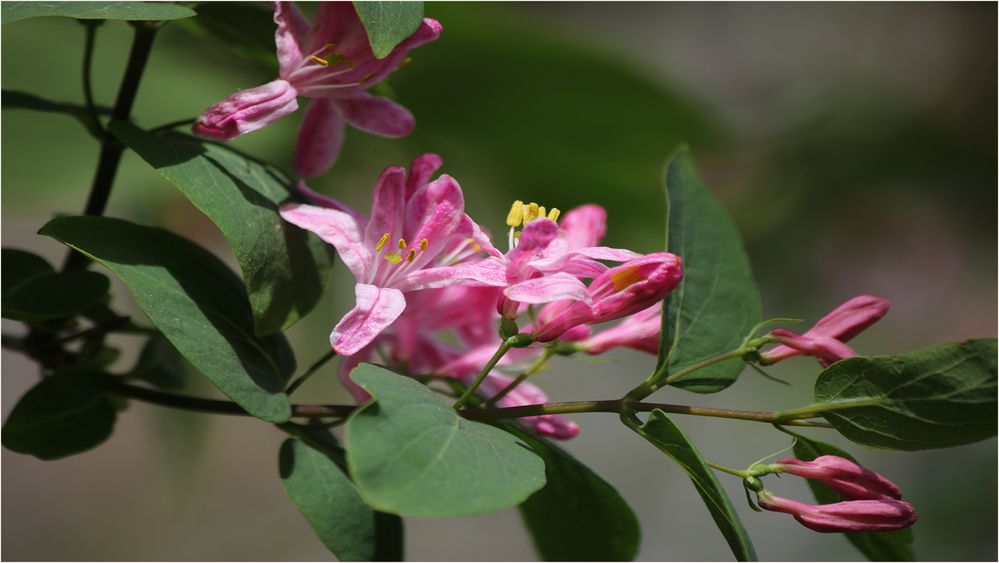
pixel 411 454
pixel 196 301
pixel 65 414
pixel 666 436
pixel 19 268
pixel 245 28
pixel 577 516
pixel 134 11
pixel 876 546
pixel 284 267
pixel 936 397
pixel 160 364
pixel 55 295
pixel 389 23
pixel 717 303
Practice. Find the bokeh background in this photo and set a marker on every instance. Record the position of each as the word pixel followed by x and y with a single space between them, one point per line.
pixel 854 144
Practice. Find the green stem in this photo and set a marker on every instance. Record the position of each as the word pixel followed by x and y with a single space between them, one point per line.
pixel 531 370
pixel 726 469
pixel 308 373
pixel 500 352
pixel 656 381
pixel 811 411
pixel 88 56
pixel 111 148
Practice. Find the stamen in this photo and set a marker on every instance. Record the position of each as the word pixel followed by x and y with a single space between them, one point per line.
pixel 366 77
pixel 423 244
pixel 554 213
pixel 382 242
pixel 625 278
pixel 514 216
pixel 530 212
pixel 411 256
pixel 405 61
pixel 393 257
pixel 542 212
pixel 318 60
pixel 402 244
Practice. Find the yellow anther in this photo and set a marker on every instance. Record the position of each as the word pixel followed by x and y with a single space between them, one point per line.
pixel 318 60
pixel 476 247
pixel 542 212
pixel 423 244
pixel 625 278
pixel 554 213
pixel 411 256
pixel 514 216
pixel 402 244
pixel 405 61
pixel 516 234
pixel 393 257
pixel 329 46
pixel 530 212
pixel 382 242
pixel 366 77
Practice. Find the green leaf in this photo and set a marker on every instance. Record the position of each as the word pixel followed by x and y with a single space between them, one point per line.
pixel 328 500
pixel 13 99
pixel 936 397
pixel 55 295
pixel 245 28
pixel 63 415
pixel 284 267
pixel 19 268
pixel 577 516
pixel 196 301
pixel 389 23
pixel 411 454
pixel 133 11
pixel 666 436
pixel 717 303
pixel 876 546
pixel 160 364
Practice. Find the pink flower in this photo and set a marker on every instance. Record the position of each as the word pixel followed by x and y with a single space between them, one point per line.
pixel 418 237
pixel 843 476
pixel 618 292
pixel 826 340
pixel 331 62
pixel 849 516
pixel 639 331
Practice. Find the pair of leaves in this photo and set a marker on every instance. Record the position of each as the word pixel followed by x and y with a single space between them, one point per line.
pixel 660 430
pixel 134 11
pixel 284 268
pixel 312 473
pixel 876 546
pixel 66 413
pixel 717 303
pixel 34 291
pixel 936 397
pixel 197 302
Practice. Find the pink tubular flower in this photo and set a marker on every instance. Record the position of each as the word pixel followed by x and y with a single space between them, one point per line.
pixel 843 476
pixel 826 340
pixel 620 291
pixel 639 331
pixel 849 516
pixel 331 62
pixel 418 237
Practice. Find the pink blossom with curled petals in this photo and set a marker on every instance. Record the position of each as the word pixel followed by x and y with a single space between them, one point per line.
pixel 826 340
pixel 843 476
pixel 331 62
pixel 882 515
pixel 418 237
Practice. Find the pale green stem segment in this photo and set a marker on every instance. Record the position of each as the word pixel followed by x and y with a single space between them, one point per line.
pixel 737 472
pixel 656 381
pixel 534 368
pixel 312 369
pixel 500 352
pixel 811 411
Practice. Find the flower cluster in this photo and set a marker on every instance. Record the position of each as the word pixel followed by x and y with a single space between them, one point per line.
pixel 424 270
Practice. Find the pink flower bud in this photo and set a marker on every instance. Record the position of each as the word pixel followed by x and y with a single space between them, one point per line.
pixel 843 476
pixel 618 292
pixel 850 516
pixel 639 331
pixel 247 110
pixel 826 339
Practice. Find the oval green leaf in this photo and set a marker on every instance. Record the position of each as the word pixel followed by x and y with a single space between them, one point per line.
pixel 133 11
pixel 876 546
pixel 936 397
pixel 665 435
pixel 63 415
pixel 389 23
pixel 160 364
pixel 411 454
pixel 55 295
pixel 718 302
pixel 577 516
pixel 19 268
pixel 284 267
pixel 196 301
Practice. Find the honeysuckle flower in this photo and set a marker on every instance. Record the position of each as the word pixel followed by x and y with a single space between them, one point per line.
pixel 848 516
pixel 843 476
pixel 618 292
pixel 639 331
pixel 329 61
pixel 826 340
pixel 418 237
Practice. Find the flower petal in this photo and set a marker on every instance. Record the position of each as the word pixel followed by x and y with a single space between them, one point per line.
pixel 330 203
pixel 548 288
pixel 387 206
pixel 376 309
pixel 290 37
pixel 487 272
pixel 420 171
pixel 335 227
pixel 320 138
pixel 246 111
pixel 377 115
pixel 584 225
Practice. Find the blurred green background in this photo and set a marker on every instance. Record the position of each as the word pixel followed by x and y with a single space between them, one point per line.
pixel 855 145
